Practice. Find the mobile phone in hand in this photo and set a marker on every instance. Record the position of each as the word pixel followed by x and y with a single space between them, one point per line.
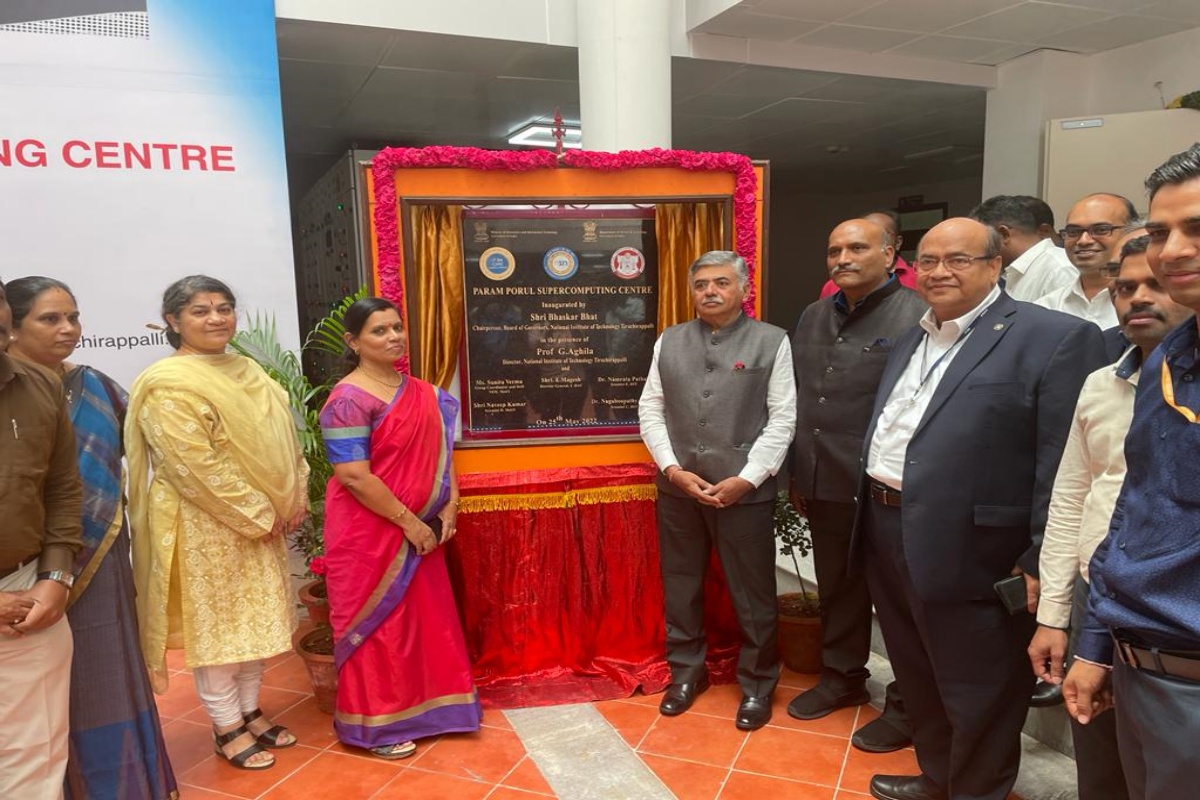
pixel 1011 591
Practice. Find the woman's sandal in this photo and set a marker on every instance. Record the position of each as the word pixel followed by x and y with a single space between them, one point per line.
pixel 239 760
pixel 391 752
pixel 270 737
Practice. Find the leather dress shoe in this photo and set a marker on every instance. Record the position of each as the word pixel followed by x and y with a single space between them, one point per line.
pixel 904 787
pixel 821 701
pixel 1045 694
pixel 753 712
pixel 680 696
pixel 881 736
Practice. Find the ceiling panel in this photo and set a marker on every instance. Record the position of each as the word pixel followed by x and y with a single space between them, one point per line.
pixel 949 48
pixel 1028 21
pixel 1182 10
pixel 850 37
pixel 925 15
pixel 817 10
pixel 1110 33
pixel 751 25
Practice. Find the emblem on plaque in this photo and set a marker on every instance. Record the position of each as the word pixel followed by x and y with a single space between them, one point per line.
pixel 560 263
pixel 497 264
pixel 589 231
pixel 628 263
pixel 481 232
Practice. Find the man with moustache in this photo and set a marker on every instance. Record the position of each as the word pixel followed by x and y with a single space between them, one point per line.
pixel 1085 492
pixel 717 413
pixel 890 222
pixel 41 502
pixel 969 423
pixel 1144 599
pixel 1033 264
pixel 1093 227
pixel 840 346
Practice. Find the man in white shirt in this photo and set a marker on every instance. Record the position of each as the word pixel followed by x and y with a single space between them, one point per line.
pixel 1085 492
pixel 717 413
pixel 971 416
pixel 1094 226
pixel 1033 264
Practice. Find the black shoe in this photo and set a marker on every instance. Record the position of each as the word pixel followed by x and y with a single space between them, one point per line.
pixel 881 736
pixel 820 701
pixel 1045 695
pixel 904 787
pixel 680 696
pixel 753 712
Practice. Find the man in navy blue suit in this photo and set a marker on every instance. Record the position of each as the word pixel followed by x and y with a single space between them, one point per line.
pixel 969 424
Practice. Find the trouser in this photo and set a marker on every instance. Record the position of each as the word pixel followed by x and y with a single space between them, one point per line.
pixel 34 704
pixel 963 667
pixel 1097 757
pixel 1158 729
pixel 744 536
pixel 228 691
pixel 845 605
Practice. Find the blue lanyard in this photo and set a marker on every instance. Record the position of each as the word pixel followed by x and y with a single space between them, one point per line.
pixel 925 350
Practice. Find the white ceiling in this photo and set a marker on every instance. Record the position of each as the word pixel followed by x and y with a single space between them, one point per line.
pixel 970 31
pixel 345 85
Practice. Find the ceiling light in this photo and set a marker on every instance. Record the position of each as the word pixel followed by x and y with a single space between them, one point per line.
pixel 538 134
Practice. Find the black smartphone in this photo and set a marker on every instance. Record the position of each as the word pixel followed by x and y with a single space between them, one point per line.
pixel 1011 591
pixel 435 525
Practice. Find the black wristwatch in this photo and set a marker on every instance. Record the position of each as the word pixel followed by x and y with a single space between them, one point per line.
pixel 65 577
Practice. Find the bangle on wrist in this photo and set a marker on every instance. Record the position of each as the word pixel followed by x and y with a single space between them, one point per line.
pixel 401 514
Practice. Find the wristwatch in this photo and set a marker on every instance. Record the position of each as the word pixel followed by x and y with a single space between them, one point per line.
pixel 65 577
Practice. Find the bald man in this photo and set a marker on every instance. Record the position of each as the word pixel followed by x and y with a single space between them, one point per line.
pixel 839 347
pixel 969 423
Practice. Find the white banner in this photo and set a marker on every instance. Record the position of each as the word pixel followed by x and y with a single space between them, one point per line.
pixel 142 141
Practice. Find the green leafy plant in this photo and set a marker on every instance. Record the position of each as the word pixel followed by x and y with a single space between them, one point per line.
pixel 257 339
pixel 795 541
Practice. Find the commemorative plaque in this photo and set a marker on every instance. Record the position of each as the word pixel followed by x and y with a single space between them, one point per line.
pixel 561 313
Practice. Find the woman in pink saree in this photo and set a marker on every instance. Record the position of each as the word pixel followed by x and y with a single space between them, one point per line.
pixel 403 672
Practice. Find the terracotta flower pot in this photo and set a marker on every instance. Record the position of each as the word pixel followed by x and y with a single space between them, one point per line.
pixel 314 644
pixel 316 601
pixel 799 634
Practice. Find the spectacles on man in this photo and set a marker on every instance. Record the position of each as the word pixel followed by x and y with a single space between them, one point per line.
pixel 953 263
pixel 1097 231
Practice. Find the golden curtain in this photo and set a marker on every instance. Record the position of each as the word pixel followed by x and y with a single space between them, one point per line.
pixel 438 264
pixel 684 232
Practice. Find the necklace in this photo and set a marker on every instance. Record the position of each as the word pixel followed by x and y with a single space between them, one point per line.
pixel 381 382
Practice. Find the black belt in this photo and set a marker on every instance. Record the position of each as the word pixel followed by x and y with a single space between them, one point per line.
pixel 4 573
pixel 1161 662
pixel 882 493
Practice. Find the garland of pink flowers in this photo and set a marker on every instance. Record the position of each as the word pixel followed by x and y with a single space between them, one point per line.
pixel 390 159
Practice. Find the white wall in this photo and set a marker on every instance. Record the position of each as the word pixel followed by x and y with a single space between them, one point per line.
pixel 1048 84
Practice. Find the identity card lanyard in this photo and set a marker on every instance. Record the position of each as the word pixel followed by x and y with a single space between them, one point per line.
pixel 1168 390
pixel 925 350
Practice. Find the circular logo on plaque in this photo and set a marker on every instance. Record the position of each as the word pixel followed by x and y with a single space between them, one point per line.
pixel 497 264
pixel 560 263
pixel 628 263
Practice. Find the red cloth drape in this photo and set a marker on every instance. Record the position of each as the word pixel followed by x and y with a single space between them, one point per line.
pixel 563 603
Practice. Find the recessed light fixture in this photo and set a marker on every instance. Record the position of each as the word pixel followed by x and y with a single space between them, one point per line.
pixel 539 134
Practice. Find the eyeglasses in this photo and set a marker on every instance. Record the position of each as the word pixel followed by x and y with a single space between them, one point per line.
pixel 1097 231
pixel 953 263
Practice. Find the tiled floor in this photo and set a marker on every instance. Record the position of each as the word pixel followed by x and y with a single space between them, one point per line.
pixel 698 756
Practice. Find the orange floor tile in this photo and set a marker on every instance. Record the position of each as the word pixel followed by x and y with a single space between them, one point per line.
pixel 697 756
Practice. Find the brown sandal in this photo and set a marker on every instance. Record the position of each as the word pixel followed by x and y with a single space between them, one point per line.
pixel 239 759
pixel 269 737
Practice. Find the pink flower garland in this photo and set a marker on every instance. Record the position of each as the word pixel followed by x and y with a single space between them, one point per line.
pixel 390 159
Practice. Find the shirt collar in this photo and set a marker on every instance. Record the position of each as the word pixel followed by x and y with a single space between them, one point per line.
pixel 952 328
pixel 1023 261
pixel 1129 365
pixel 843 306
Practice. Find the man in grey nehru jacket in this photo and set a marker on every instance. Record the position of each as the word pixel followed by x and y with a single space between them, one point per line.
pixel 717 414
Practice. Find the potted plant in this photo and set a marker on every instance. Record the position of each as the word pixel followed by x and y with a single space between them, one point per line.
pixel 799 612
pixel 257 340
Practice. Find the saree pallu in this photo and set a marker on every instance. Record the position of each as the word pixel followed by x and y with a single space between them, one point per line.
pixel 116 741
pixel 403 671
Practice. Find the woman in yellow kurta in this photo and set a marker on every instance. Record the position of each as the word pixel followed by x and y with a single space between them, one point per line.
pixel 217 481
